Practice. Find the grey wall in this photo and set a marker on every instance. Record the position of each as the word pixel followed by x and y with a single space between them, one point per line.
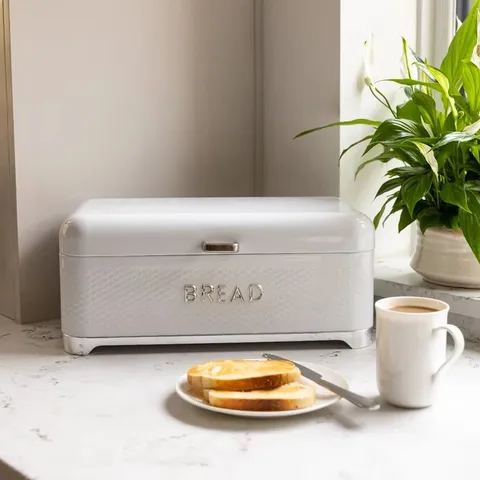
pixel 301 90
pixel 122 98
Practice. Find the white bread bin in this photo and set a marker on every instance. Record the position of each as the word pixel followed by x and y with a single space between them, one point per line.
pixel 214 270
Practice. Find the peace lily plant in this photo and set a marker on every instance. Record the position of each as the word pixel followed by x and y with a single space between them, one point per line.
pixel 435 136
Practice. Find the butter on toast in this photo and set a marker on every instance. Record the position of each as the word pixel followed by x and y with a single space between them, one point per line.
pixel 242 375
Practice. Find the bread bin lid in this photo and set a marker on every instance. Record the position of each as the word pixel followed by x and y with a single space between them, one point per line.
pixel 190 226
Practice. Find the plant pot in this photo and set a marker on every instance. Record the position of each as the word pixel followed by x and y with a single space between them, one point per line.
pixel 442 256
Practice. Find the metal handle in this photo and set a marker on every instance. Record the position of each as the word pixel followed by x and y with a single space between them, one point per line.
pixel 357 400
pixel 220 247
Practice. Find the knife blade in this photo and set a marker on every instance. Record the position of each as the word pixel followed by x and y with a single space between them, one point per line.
pixel 358 400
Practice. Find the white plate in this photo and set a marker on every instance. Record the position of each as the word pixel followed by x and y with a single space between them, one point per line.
pixel 324 397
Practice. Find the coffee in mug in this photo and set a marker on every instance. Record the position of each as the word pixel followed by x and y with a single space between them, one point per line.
pixel 413 309
pixel 411 349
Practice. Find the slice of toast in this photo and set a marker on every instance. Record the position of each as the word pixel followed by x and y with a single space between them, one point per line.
pixel 199 392
pixel 287 397
pixel 242 374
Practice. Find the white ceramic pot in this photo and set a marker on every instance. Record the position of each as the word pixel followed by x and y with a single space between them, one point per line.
pixel 442 256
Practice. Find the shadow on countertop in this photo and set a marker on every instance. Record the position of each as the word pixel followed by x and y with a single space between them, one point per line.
pixel 221 347
pixel 177 408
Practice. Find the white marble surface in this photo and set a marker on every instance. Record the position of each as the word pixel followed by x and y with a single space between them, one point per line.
pixel 114 415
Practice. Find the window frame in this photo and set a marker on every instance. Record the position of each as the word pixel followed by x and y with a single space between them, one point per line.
pixel 436 26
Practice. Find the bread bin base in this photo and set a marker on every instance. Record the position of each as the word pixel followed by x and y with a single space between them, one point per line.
pixel 83 346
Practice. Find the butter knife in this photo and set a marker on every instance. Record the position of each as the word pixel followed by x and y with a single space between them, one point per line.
pixel 358 400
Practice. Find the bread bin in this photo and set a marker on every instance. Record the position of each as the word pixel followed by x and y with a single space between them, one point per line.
pixel 214 270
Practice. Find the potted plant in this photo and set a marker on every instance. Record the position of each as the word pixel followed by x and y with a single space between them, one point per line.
pixel 434 135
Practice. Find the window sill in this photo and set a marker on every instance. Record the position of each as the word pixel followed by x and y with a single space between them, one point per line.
pixel 394 277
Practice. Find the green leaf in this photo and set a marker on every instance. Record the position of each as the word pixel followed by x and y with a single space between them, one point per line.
pixel 395 129
pixel 473 128
pixel 454 194
pixel 460 137
pixel 463 121
pixel 392 130
pixel 368 137
pixel 427 127
pixel 414 189
pixel 405 57
pixel 396 207
pixel 379 215
pixel 408 154
pixel 424 100
pixel 451 221
pixel 407 91
pixel 473 185
pixel 475 151
pixel 462 104
pixel 471 167
pixel 471 84
pixel 357 121
pixel 406 171
pixel 428 218
pixel 449 124
pixel 429 157
pixel 429 141
pixel 461 48
pixel 445 86
pixel 405 220
pixel 470 223
pixel 427 107
pixel 389 185
pixel 409 111
pixel 420 61
pixel 414 83
pixel 437 75
pixel 406 144
pixel 443 156
pixel 383 158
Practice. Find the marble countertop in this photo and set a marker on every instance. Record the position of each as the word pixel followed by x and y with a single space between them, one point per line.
pixel 395 277
pixel 115 415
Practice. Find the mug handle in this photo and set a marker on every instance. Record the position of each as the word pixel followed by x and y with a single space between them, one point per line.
pixel 458 345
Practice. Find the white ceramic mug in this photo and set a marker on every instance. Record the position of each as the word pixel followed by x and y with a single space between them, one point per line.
pixel 411 350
